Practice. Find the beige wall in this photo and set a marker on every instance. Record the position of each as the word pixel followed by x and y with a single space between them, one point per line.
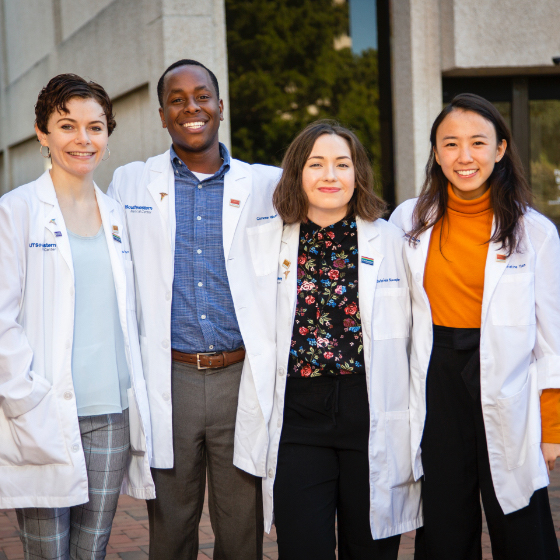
pixel 435 38
pixel 124 45
pixel 510 35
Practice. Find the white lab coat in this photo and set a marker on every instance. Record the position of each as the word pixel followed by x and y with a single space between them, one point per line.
pixel 249 226
pixel 519 351
pixel 385 311
pixel 41 458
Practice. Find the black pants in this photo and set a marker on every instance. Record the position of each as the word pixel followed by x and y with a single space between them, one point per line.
pixel 323 472
pixel 457 470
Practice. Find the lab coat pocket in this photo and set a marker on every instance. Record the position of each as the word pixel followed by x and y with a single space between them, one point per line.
pixel 391 313
pixel 513 302
pixel 514 417
pixel 35 437
pixel 264 244
pixel 397 443
pixel 137 436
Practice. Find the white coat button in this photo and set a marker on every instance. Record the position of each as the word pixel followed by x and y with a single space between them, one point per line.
pixel 166 396
pixel 417 277
pixel 168 296
pixel 165 344
pixel 199 251
pixel 71 291
pixel 68 395
pixel 200 284
pixel 279 423
pixel 270 473
pixel 281 372
pixel 75 448
pixel 198 218
pixel 68 344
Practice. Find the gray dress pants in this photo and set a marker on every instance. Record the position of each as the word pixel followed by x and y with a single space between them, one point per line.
pixel 204 412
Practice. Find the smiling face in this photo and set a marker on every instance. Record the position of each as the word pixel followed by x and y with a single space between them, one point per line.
pixel 328 179
pixel 467 150
pixel 77 140
pixel 191 110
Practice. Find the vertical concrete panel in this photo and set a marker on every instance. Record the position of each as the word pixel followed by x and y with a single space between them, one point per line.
pixel 505 33
pixel 416 88
pixel 128 141
pixel 76 13
pixel 3 186
pixel 29 32
pixel 26 162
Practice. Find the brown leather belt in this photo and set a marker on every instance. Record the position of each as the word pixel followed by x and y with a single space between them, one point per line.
pixel 210 360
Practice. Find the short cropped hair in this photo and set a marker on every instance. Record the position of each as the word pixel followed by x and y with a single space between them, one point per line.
pixel 178 64
pixel 289 197
pixel 64 87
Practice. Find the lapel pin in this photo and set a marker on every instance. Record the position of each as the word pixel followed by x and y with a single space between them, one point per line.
pixel 234 203
pixel 286 263
pixel 286 274
pixel 58 234
pixel 53 221
pixel 500 258
pixel 367 260
pixel 163 195
pixel 116 235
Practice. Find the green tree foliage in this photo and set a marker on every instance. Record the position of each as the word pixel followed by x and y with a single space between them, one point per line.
pixel 284 73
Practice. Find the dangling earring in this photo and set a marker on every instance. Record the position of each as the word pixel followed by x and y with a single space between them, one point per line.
pixel 109 151
pixel 48 152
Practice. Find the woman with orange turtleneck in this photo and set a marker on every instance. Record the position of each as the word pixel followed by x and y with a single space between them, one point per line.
pixel 485 357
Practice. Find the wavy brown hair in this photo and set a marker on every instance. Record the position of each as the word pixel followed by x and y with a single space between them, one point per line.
pixel 509 192
pixel 64 87
pixel 289 197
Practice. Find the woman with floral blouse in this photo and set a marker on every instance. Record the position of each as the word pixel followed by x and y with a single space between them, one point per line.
pixel 338 431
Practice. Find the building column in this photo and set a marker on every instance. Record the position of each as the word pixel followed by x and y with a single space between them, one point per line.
pixel 417 90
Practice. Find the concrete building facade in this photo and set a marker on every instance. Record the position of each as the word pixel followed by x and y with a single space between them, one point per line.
pixel 429 50
pixel 122 44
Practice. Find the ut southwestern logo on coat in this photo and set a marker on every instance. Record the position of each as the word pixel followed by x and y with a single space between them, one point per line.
pixel 138 209
pixel 44 246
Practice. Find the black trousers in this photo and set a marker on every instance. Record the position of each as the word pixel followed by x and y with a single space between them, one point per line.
pixel 323 473
pixel 457 470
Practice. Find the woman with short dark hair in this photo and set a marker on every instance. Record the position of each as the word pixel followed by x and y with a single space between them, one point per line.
pixel 338 442
pixel 74 417
pixel 485 271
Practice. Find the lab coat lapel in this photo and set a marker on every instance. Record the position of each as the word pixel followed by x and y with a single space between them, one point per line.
pixel 496 264
pixel 237 188
pixel 161 186
pixel 54 221
pixel 417 257
pixel 111 220
pixel 367 273
pixel 288 282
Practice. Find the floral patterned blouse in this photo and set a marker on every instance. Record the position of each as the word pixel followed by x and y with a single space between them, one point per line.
pixel 327 333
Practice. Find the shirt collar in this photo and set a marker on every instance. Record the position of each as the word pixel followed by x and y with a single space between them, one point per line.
pixel 335 232
pixel 180 166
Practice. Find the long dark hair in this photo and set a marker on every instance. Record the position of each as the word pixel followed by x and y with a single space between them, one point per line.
pixel 290 200
pixel 510 194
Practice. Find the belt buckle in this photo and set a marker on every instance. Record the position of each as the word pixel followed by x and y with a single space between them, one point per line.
pixel 198 354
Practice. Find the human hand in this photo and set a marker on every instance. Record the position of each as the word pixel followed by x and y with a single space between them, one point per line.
pixel 550 451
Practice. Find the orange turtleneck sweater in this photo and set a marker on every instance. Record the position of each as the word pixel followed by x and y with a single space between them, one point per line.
pixel 454 280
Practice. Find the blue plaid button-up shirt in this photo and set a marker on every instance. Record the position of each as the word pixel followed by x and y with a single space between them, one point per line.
pixel 202 312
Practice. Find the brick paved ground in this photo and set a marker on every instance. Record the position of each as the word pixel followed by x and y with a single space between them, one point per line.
pixel 129 539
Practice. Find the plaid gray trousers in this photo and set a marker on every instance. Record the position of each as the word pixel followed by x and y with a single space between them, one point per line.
pixel 82 532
